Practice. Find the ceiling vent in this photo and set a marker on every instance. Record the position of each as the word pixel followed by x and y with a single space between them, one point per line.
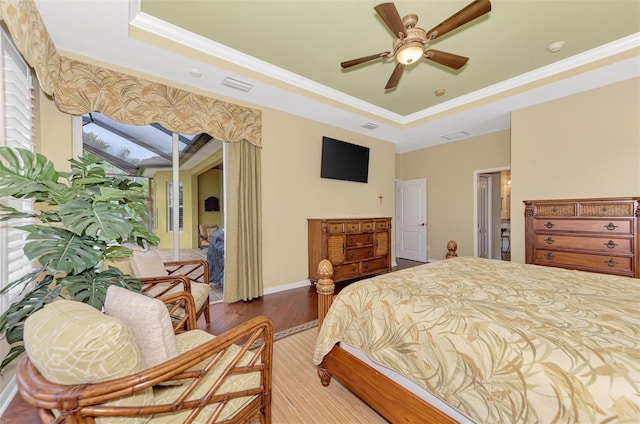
pixel 370 126
pixel 237 84
pixel 455 135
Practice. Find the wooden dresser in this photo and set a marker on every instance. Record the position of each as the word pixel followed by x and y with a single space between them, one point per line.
pixel 597 235
pixel 355 246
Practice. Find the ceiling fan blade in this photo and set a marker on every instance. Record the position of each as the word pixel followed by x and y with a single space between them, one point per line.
pixel 447 59
pixel 390 16
pixel 395 77
pixel 469 13
pixel 353 62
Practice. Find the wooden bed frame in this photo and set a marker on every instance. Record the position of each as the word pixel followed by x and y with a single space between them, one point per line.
pixel 388 398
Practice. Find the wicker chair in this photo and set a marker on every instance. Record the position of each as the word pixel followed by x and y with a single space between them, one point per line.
pixel 204 231
pixel 160 278
pixel 226 378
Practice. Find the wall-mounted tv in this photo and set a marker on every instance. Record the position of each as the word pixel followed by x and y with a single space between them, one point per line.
pixel 344 161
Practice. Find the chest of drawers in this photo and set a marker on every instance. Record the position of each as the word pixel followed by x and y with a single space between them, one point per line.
pixel 356 247
pixel 597 235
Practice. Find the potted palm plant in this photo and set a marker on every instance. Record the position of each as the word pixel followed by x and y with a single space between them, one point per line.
pixel 80 219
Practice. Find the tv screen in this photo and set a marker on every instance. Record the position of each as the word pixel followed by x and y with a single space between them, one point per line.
pixel 344 161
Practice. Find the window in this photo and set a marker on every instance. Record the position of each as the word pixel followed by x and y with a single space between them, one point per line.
pixel 170 207
pixel 16 130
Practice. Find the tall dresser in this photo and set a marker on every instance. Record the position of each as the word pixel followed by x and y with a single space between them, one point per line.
pixel 597 235
pixel 356 247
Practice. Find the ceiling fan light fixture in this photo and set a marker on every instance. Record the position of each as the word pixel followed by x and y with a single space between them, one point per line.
pixel 410 53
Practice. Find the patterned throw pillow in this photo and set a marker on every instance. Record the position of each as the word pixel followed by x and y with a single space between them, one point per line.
pixel 73 343
pixel 149 321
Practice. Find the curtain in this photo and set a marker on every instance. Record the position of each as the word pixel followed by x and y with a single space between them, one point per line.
pixel 78 87
pixel 243 233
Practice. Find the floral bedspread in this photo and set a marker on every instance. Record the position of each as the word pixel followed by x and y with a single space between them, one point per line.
pixel 500 341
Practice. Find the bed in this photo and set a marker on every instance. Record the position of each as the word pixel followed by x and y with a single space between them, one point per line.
pixel 489 341
pixel 215 258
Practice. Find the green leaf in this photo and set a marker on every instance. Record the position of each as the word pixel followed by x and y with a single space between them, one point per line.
pixel 103 221
pixel 60 250
pixel 23 174
pixel 91 287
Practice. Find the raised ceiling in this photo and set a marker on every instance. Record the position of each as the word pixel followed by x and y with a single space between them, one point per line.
pixel 291 52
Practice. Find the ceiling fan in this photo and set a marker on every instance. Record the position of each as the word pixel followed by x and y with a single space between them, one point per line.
pixel 410 42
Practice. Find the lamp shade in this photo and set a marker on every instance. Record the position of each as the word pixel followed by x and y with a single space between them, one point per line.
pixel 410 53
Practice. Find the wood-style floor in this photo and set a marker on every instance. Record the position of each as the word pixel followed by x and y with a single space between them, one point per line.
pixel 286 309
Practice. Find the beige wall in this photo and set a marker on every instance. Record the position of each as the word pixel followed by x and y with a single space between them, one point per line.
pixel 449 170
pixel 210 184
pixel 293 191
pixel 584 145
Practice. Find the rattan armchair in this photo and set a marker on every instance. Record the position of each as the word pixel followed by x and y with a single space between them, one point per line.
pixel 221 379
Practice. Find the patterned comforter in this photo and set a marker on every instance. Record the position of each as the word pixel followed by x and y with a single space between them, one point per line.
pixel 501 341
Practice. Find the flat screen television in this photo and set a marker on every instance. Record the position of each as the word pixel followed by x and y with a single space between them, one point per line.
pixel 344 161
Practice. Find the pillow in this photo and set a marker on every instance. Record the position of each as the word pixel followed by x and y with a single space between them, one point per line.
pixel 71 342
pixel 148 264
pixel 148 320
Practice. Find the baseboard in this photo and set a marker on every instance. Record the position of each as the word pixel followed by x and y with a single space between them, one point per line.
pixel 8 394
pixel 288 286
pixel 433 260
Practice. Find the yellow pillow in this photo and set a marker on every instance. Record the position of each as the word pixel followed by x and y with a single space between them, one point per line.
pixel 73 343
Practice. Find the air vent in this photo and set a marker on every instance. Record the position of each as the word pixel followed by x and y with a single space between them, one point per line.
pixel 455 135
pixel 237 84
pixel 370 126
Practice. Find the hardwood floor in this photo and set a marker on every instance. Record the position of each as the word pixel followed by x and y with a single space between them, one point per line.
pixel 286 309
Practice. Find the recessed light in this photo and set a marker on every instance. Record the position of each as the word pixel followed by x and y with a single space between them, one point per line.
pixel 440 92
pixel 195 73
pixel 554 47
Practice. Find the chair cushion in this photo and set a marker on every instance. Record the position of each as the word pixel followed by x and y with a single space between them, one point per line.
pixel 149 321
pixel 199 291
pixel 73 343
pixel 187 341
pixel 148 264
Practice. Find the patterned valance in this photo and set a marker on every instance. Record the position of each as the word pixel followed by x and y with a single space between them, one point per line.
pixel 79 88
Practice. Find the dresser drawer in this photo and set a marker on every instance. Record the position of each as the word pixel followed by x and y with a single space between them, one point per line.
pixel 612 226
pixel 335 227
pixel 352 227
pixel 359 253
pixel 367 226
pixel 382 225
pixel 560 209
pixel 594 244
pixel 373 265
pixel 345 272
pixel 583 260
pixel 607 209
pixel 359 240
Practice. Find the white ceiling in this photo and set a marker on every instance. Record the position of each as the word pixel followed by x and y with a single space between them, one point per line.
pixel 117 32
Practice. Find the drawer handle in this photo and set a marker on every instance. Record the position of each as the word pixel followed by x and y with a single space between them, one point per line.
pixel 611 262
pixel 611 244
pixel 351 255
pixel 353 268
pixel 549 224
pixel 549 240
pixel 366 266
pixel 610 226
pixel 554 209
pixel 550 256
pixel 369 252
pixel 351 240
pixel 369 239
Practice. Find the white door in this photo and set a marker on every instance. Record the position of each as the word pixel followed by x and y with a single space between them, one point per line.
pixel 411 220
pixel 483 216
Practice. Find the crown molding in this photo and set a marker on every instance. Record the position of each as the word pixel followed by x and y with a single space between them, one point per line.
pixel 159 28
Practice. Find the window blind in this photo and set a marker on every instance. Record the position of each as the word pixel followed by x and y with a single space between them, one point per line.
pixel 16 130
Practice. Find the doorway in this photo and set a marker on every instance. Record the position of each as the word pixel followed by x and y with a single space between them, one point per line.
pixel 411 220
pixel 492 198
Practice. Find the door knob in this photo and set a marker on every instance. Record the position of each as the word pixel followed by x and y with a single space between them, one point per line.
pixel 423 224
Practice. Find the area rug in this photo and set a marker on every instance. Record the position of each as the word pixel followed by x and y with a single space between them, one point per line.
pixel 299 397
pixel 297 329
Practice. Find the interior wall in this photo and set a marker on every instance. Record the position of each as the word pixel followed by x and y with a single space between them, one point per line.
pixel 210 184
pixel 449 169
pixel 580 146
pixel 293 191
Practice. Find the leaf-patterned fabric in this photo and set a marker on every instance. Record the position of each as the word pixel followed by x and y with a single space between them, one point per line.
pixel 501 341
